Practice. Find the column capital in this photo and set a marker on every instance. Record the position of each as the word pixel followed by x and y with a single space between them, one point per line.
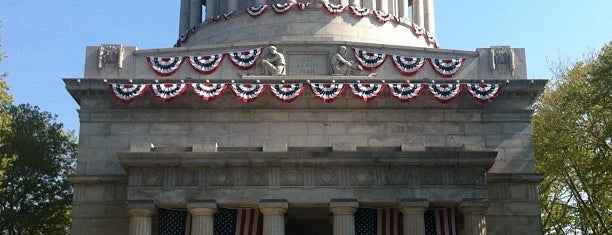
pixel 204 208
pixel 141 208
pixel 343 206
pixel 413 205
pixel 273 206
pixel 474 205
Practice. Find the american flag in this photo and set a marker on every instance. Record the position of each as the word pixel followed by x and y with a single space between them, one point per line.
pixel 238 222
pixel 173 222
pixel 385 221
pixel 440 221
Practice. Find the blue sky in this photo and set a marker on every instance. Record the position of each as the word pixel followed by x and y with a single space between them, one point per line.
pixel 45 41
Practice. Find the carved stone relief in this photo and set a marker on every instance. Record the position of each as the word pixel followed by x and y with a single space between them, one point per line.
pixel 308 63
pixel 110 55
pixel 502 59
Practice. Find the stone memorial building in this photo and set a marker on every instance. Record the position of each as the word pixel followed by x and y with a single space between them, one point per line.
pixel 296 117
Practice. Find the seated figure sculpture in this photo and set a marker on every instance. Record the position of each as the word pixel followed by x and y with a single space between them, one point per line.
pixel 274 65
pixel 341 66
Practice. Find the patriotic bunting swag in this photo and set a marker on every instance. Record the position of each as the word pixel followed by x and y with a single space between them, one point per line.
pixel 334 8
pixel 206 64
pixel 208 91
pixel 369 60
pixel 227 15
pixel 245 59
pixel 444 92
pixel 418 30
pixel 303 5
pixel 408 66
pixel 431 40
pixel 382 16
pixel 446 67
pixel 359 11
pixel 217 18
pixel 287 92
pixel 256 11
pixel 405 92
pixel 168 91
pixel 327 92
pixel 366 91
pixel 164 66
pixel 248 92
pixel 126 93
pixel 484 93
pixel 282 8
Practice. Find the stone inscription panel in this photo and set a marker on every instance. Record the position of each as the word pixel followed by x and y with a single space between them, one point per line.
pixel 308 63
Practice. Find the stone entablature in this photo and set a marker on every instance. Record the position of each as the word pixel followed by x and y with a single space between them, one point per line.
pixel 309 59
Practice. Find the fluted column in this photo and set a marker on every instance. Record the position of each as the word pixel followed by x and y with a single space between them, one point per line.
pixel 232 5
pixel 211 8
pixel 430 20
pixel 370 4
pixel 196 13
pixel 354 3
pixel 202 212
pixel 185 16
pixel 140 217
pixel 413 211
pixel 384 6
pixel 418 12
pixel 273 211
pixel 403 9
pixel 474 216
pixel 343 211
pixel 392 6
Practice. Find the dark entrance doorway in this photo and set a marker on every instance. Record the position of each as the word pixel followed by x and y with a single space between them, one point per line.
pixel 309 221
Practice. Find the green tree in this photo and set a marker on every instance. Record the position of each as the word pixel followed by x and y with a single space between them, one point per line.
pixel 573 141
pixel 35 196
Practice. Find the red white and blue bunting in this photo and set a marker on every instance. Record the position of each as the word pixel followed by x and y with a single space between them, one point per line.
pixel 245 59
pixel 208 91
pixel 359 11
pixel 282 8
pixel 369 60
pixel 382 16
pixel 445 92
pixel 164 66
pixel 408 66
pixel 405 92
pixel 227 15
pixel 334 8
pixel 304 5
pixel 327 92
pixel 126 93
pixel 484 93
pixel 248 92
pixel 431 40
pixel 206 64
pixel 287 92
pixel 217 18
pixel 168 91
pixel 446 67
pixel 418 30
pixel 366 91
pixel 256 11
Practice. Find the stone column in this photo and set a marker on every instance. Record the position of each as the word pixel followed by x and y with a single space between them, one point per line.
pixel 259 2
pixel 140 217
pixel 474 216
pixel 232 5
pixel 343 211
pixel 196 13
pixel 211 8
pixel 202 213
pixel 392 6
pixel 413 211
pixel 418 12
pixel 430 21
pixel 384 6
pixel 354 3
pixel 403 9
pixel 185 16
pixel 273 211
pixel 370 4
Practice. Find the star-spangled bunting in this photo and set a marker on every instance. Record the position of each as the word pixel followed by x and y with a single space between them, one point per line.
pixel 164 66
pixel 369 60
pixel 256 11
pixel 440 221
pixel 245 59
pixel 359 11
pixel 334 8
pixel 206 64
pixel 408 66
pixel 326 92
pixel 282 8
pixel 446 67
pixel 382 16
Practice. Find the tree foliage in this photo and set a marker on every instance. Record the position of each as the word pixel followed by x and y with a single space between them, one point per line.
pixel 573 139
pixel 37 155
